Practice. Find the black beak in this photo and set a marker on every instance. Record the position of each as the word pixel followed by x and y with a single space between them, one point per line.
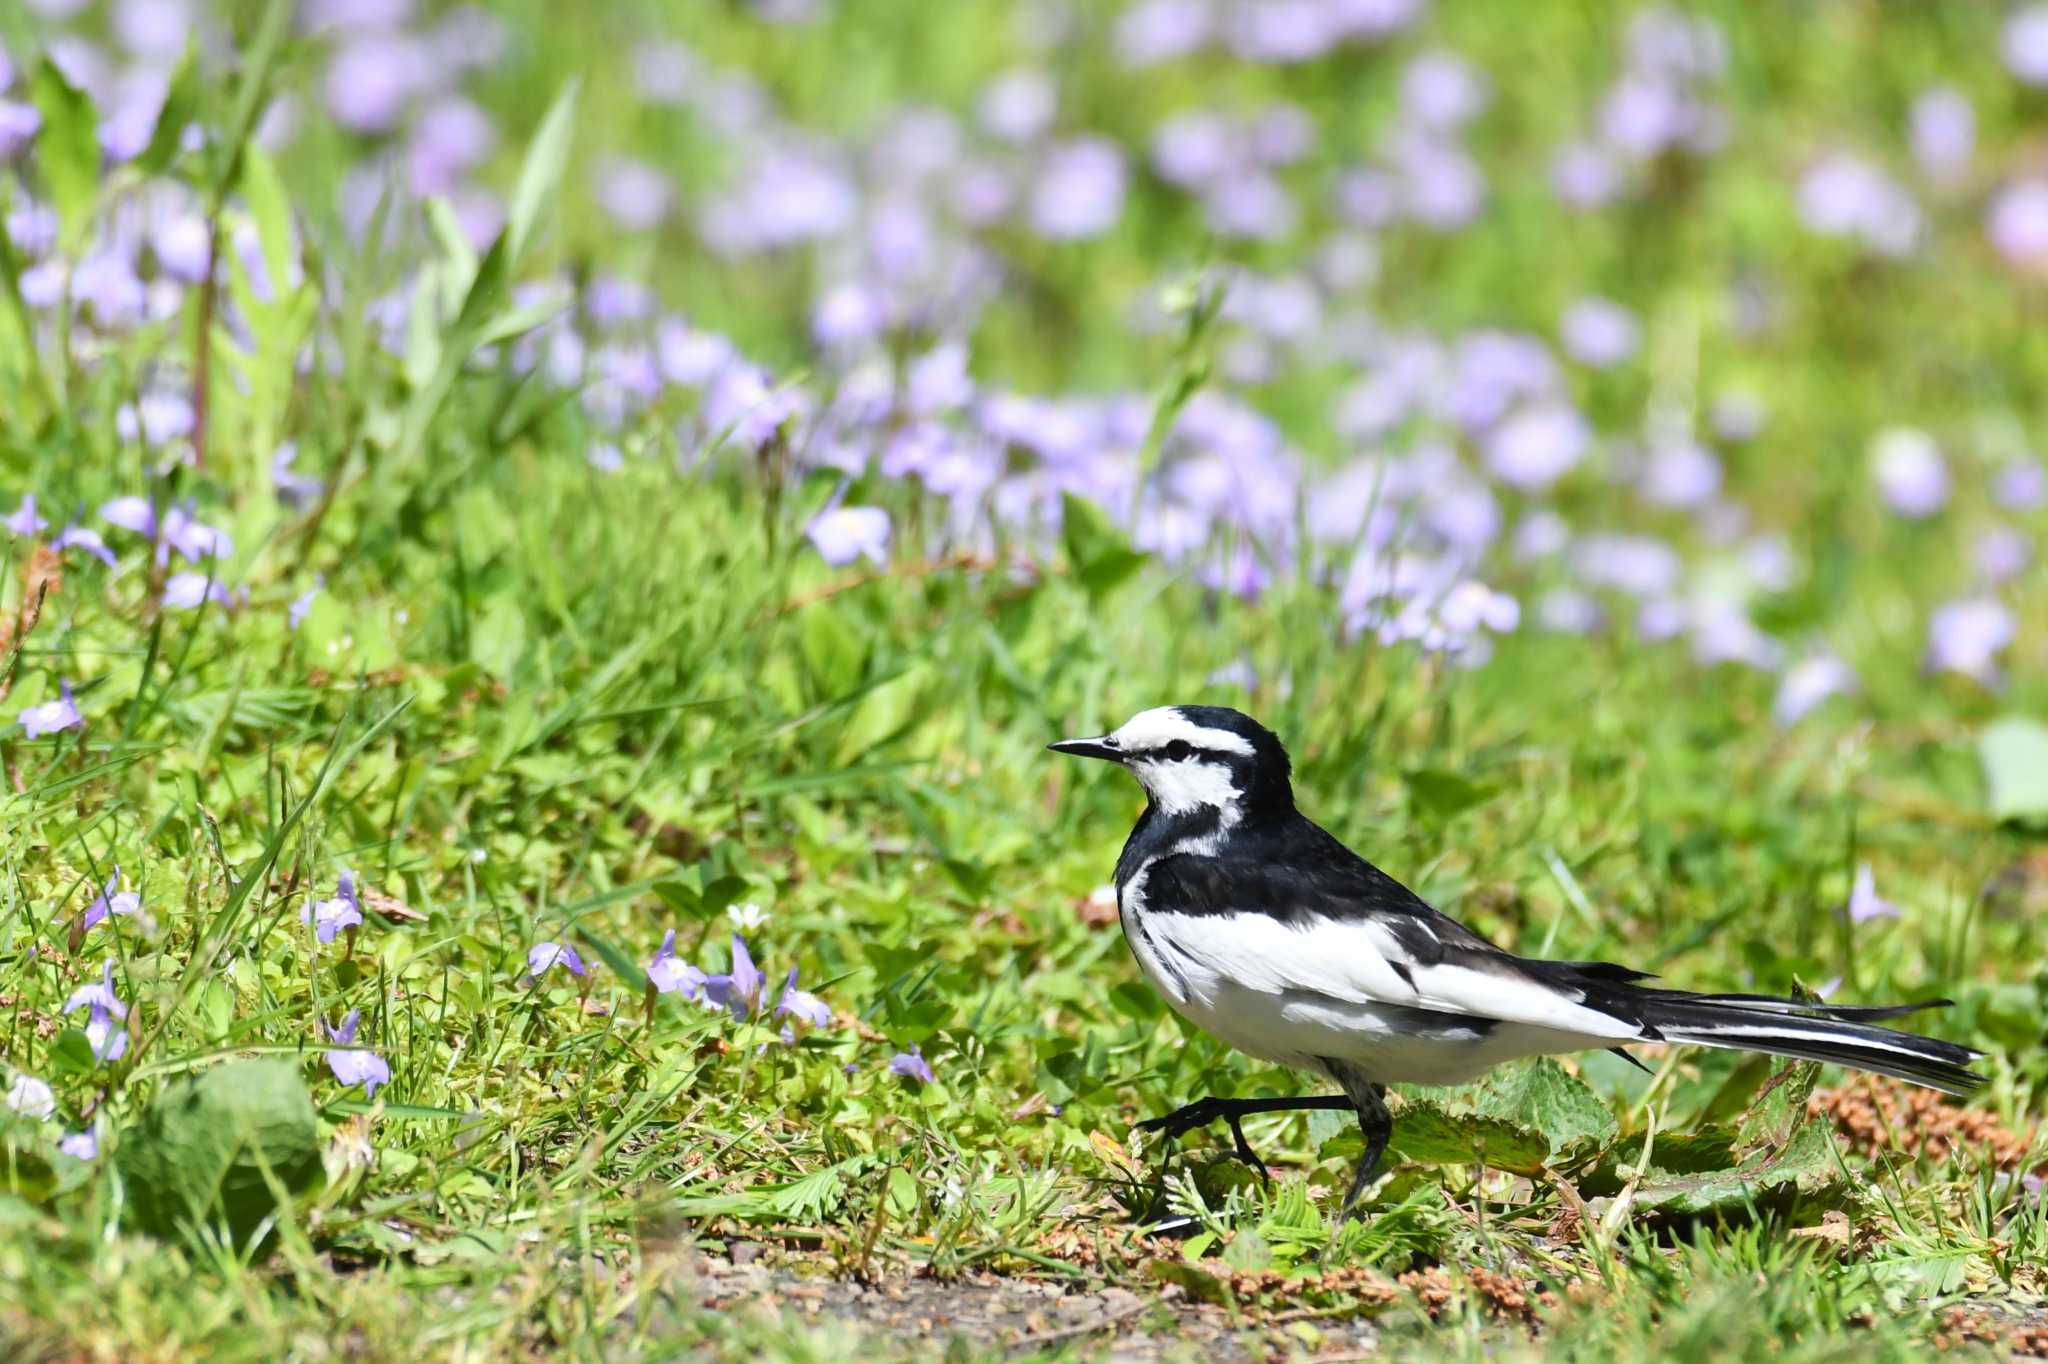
pixel 1088 748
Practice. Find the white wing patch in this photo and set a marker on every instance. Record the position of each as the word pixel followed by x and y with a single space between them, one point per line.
pixel 1355 963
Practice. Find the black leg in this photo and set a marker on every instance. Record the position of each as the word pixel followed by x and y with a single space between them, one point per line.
pixel 1202 1111
pixel 1377 1125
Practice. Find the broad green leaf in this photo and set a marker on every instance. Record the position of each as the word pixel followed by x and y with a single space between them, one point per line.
pixel 881 715
pixel 2014 752
pixel 1804 1169
pixel 832 651
pixel 1442 795
pixel 1098 555
pixel 541 172
pixel 210 1148
pixel 1428 1134
pixel 497 636
pixel 67 149
pixel 1541 1095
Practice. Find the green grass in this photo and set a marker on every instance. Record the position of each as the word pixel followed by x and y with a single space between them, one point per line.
pixel 534 702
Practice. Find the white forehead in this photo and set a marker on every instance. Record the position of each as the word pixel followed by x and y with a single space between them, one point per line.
pixel 1150 729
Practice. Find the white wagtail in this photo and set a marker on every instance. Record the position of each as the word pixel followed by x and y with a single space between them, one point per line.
pixel 1259 926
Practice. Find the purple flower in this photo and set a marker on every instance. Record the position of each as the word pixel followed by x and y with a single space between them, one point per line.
pixel 739 989
pixel 131 513
pixel 669 976
pixel 1079 190
pixel 1600 333
pixel 2026 44
pixel 543 956
pixel 2002 553
pixel 1019 106
pixel 194 539
pixel 1154 31
pixel 1845 196
pixel 1680 473
pixel 1911 476
pixel 1584 176
pixel 911 1065
pixel 848 314
pixel 1944 132
pixel 1864 902
pixel 98 994
pixel 1967 636
pixel 80 1145
pixel 844 534
pixel 2021 485
pixel 32 1098
pixel 1806 684
pixel 1538 445
pixel 295 614
pixel 184 591
pixel 112 900
pixel 25 521
pixel 371 79
pixel 19 124
pixel 356 1066
pixel 157 418
pixel 51 716
pixel 451 137
pixel 294 489
pixel 78 537
pixel 804 1005
pixel 1441 90
pixel 329 917
pixel 2017 223
pixel 108 1040
pixel 632 193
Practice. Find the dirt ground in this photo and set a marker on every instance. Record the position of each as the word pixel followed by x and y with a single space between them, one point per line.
pixel 1025 1316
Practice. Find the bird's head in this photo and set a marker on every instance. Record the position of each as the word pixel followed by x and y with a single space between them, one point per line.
pixel 1194 758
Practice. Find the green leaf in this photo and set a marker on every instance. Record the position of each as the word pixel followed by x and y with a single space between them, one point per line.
pixel 832 651
pixel 67 149
pixel 904 1197
pixel 1097 552
pixel 211 1147
pixel 1542 1095
pixel 680 897
pixel 181 106
pixel 270 206
pixel 497 636
pixel 2014 752
pixel 1429 1134
pixel 719 893
pixel 1804 1169
pixel 1779 1109
pixel 72 1054
pixel 541 172
pixel 1442 795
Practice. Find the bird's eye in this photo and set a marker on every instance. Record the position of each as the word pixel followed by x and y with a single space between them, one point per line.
pixel 1178 750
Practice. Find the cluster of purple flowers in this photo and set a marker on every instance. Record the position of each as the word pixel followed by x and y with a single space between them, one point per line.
pixel 1460 451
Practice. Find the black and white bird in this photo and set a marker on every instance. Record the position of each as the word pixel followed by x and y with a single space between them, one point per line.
pixel 1262 928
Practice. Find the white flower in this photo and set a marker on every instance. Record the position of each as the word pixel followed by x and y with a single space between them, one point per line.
pixel 31 1098
pixel 747 917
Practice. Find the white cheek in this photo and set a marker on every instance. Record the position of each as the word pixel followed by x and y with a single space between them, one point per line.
pixel 1184 786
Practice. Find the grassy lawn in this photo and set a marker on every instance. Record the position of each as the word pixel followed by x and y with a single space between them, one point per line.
pixel 527 822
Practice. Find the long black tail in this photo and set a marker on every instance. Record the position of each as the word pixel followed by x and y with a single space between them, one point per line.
pixel 1842 1034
